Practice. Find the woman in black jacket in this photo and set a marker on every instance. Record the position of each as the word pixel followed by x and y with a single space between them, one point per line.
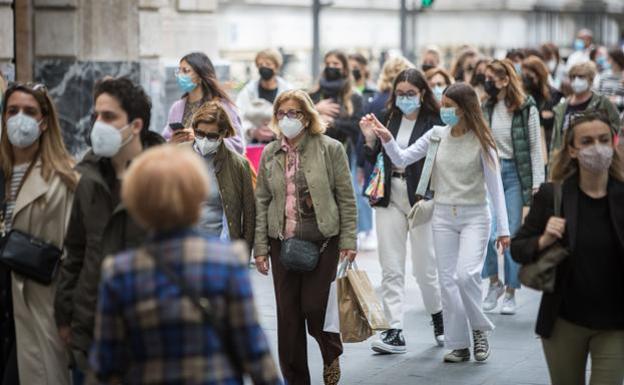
pixel 585 313
pixel 412 111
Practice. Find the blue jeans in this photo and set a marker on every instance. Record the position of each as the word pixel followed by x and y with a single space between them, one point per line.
pixel 365 212
pixel 514 203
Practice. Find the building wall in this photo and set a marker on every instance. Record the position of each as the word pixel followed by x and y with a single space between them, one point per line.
pixel 7 41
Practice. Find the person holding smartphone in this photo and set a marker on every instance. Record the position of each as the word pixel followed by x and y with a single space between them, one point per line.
pixel 197 79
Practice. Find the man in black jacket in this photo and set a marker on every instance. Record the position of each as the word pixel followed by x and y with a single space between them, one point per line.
pixel 99 224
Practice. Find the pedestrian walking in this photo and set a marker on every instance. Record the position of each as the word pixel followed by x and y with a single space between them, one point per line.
pixel 478 80
pixel 255 100
pixel 99 224
pixel 361 77
pixel 306 220
pixel 432 58
pixel 584 315
pixel 38 183
pixel 178 309
pixel 611 85
pixel 465 170
pixel 197 79
pixel 340 106
pixel 412 112
pixel 556 67
pixel 391 68
pixel 229 212
pixel 583 99
pixel 464 66
pixel 514 121
pixel 439 80
pixel 546 97
pixel 582 47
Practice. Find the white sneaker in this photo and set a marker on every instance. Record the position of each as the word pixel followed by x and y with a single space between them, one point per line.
pixel 509 304
pixel 494 293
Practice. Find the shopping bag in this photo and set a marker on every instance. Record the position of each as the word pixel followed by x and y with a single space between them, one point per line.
pixel 354 326
pixel 332 314
pixel 367 299
pixel 375 188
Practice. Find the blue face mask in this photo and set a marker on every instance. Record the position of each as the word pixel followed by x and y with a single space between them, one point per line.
pixel 603 63
pixel 438 91
pixel 518 68
pixel 449 116
pixel 407 104
pixel 185 83
pixel 579 45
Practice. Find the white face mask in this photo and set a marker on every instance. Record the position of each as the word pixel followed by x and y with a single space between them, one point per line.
pixel 23 130
pixel 106 140
pixel 552 64
pixel 290 127
pixel 579 85
pixel 207 146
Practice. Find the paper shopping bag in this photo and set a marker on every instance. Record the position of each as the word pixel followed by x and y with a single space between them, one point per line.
pixel 367 299
pixel 353 324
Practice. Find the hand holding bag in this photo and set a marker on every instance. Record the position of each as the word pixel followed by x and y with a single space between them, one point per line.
pixel 541 274
pixel 422 211
pixel 367 299
pixel 354 326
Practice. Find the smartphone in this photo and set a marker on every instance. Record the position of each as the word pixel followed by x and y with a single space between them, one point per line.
pixel 176 126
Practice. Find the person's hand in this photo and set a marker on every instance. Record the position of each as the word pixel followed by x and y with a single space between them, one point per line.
pixel 380 130
pixel 347 253
pixel 328 107
pixel 503 242
pixel 65 334
pixel 554 231
pixel 183 135
pixel 262 264
pixel 263 134
pixel 366 126
pixel 547 114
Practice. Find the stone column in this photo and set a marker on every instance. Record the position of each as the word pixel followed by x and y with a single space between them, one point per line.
pixel 7 38
pixel 77 42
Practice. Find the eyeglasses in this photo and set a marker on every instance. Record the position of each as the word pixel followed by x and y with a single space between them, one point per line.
pixel 292 114
pixel 208 135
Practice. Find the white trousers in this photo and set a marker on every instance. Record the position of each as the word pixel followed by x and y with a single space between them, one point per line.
pixel 392 232
pixel 460 236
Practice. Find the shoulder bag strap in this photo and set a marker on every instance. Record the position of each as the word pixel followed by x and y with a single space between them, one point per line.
pixel 425 176
pixel 201 303
pixel 557 198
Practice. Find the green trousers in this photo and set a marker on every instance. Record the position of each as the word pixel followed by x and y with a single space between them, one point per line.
pixel 569 346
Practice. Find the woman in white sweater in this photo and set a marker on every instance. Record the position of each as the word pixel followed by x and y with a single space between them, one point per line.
pixel 515 123
pixel 464 171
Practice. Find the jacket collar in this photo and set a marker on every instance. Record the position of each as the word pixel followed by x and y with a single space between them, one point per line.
pixel 220 157
pixel 301 145
pixel 34 186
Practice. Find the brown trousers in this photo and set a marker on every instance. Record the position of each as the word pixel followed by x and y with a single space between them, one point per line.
pixel 569 346
pixel 302 298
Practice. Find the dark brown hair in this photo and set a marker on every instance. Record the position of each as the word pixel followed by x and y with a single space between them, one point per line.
pixel 537 66
pixel 201 64
pixel 347 89
pixel 467 100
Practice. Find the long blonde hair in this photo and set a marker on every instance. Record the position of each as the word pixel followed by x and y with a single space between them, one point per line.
pixel 563 166
pixel 315 124
pixel 55 159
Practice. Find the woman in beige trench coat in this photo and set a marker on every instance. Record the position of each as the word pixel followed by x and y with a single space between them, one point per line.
pixel 39 184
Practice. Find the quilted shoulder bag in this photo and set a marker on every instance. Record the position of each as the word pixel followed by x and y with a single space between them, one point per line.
pixel 422 211
pixel 541 274
pixel 301 256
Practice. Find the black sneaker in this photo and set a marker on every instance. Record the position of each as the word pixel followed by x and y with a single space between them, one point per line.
pixel 458 355
pixel 481 345
pixel 390 342
pixel 438 328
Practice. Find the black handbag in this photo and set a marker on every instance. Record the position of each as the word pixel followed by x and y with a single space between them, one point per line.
pixel 30 257
pixel 300 256
pixel 541 274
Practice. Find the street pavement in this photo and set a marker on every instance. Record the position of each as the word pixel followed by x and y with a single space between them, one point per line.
pixel 516 357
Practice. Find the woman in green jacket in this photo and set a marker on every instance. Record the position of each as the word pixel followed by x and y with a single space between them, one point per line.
pixel 304 193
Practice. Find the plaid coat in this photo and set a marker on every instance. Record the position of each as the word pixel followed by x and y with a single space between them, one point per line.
pixel 148 332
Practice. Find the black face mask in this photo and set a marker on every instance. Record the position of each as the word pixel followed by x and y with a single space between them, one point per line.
pixel 491 89
pixel 266 73
pixel 357 74
pixel 529 84
pixel 332 73
pixel 479 79
pixel 426 67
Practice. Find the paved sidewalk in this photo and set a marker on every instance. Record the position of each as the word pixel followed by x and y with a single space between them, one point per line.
pixel 516 353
